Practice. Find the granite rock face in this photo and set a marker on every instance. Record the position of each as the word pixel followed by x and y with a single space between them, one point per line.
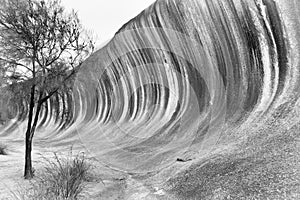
pixel 213 84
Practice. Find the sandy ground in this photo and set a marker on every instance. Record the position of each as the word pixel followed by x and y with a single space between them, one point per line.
pixel 114 185
pixel 12 165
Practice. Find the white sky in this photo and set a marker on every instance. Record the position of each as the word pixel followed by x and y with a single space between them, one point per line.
pixel 105 17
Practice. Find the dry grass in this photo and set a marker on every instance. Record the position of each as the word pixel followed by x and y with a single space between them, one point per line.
pixel 61 178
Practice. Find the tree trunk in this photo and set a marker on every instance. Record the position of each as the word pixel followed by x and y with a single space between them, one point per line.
pixel 28 162
pixel 28 172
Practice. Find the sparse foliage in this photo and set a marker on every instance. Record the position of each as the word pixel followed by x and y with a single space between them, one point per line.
pixel 41 47
pixel 61 178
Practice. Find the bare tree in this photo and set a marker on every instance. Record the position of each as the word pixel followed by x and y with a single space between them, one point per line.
pixel 40 45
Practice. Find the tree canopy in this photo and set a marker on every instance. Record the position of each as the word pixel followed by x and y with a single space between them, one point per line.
pixel 41 47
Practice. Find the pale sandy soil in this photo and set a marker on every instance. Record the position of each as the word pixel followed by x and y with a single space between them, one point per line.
pixel 114 185
pixel 11 171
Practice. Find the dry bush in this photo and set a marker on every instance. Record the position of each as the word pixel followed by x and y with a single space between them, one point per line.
pixel 3 149
pixel 61 178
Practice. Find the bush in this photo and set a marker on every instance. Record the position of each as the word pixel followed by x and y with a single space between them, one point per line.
pixel 62 178
pixel 3 149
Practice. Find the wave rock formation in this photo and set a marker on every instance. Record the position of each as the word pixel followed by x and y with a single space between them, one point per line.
pixel 194 92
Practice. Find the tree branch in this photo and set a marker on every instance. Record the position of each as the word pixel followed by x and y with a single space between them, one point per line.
pixel 15 63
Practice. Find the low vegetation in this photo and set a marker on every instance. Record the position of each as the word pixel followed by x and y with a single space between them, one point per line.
pixel 3 149
pixel 61 178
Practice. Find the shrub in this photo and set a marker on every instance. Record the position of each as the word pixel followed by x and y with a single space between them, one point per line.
pixel 3 149
pixel 61 178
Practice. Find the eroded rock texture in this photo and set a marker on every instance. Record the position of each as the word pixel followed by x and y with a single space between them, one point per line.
pixel 201 96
